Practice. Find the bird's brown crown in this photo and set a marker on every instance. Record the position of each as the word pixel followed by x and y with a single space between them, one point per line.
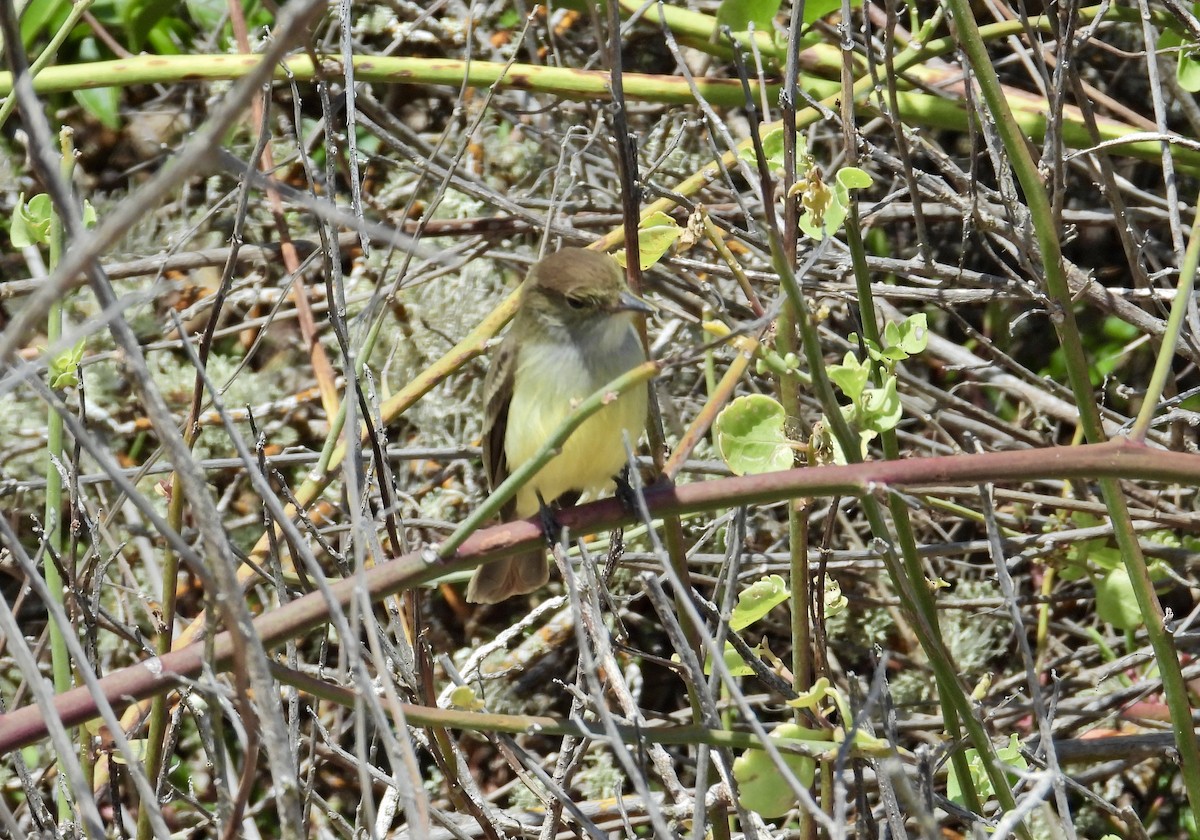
pixel 579 278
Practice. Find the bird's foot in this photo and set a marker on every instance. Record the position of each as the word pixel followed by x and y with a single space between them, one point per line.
pixel 550 525
pixel 625 493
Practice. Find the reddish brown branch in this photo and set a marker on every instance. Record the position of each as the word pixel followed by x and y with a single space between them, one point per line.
pixel 1118 458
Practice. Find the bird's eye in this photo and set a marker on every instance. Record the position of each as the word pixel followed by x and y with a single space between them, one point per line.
pixel 576 302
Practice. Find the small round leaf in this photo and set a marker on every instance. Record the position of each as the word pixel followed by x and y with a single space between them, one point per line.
pixel 758 599
pixel 750 436
pixel 761 785
pixel 1115 601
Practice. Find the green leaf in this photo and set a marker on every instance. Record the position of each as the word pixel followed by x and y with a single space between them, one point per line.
pixel 739 14
pixel 761 785
pixel 853 178
pixel 825 209
pixel 912 334
pixel 102 103
pixel 881 409
pixel 750 436
pixel 891 334
pixel 1187 68
pixel 138 749
pixel 851 376
pixel 772 143
pixel 812 698
pixel 167 37
pixel 141 17
pixel 865 436
pixel 207 14
pixel 818 201
pixel 890 356
pixel 508 19
pixel 64 368
pixel 758 599
pixel 39 17
pixel 1099 553
pixel 1116 602
pixel 656 234
pixel 1009 755
pixel 464 697
pixel 847 178
pixel 211 18
pixel 734 663
pixel 1079 555
pixel 814 10
pixel 835 601
pixel 31 221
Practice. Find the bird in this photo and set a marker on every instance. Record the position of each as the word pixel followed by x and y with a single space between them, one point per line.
pixel 573 332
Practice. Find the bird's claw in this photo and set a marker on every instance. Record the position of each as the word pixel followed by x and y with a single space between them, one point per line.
pixel 550 524
pixel 625 494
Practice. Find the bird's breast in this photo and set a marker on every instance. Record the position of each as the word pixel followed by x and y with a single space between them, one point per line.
pixel 551 380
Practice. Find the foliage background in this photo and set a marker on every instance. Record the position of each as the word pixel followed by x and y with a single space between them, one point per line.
pixel 446 188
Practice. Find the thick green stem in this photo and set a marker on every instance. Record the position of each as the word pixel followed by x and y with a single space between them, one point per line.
pixel 60 657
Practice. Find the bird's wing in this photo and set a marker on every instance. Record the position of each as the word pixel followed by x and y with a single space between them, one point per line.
pixel 494 582
pixel 497 396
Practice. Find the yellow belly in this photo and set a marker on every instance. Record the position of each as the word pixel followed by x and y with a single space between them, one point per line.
pixel 594 453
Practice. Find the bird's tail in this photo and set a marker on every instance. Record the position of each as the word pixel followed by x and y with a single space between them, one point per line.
pixel 501 579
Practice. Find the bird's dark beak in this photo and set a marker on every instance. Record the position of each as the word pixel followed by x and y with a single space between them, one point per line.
pixel 629 302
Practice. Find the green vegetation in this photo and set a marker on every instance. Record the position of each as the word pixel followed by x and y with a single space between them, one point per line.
pixel 912 543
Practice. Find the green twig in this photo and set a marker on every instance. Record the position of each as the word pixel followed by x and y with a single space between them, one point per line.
pixel 1166 351
pixel 60 657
